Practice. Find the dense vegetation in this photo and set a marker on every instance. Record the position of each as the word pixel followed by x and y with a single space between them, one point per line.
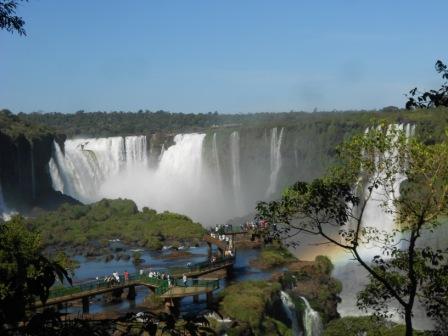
pixel 15 126
pixel 247 303
pixel 147 122
pixel 274 255
pixel 365 325
pixel 313 280
pixel 111 219
pixel 24 272
pixel 399 274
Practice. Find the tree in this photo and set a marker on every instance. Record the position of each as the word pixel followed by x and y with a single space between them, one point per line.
pixel 8 20
pixel 25 274
pixel 409 181
pixel 431 98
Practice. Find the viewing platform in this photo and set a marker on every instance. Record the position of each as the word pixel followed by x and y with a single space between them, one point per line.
pixel 171 291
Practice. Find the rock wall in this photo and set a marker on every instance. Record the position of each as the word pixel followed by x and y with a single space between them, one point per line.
pixel 24 175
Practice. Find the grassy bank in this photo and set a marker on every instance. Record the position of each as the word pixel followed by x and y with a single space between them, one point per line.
pixel 248 303
pixel 274 255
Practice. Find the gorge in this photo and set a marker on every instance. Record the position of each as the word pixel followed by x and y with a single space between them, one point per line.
pixel 212 176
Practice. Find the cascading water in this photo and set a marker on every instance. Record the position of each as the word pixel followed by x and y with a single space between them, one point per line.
pixel 87 163
pixel 311 320
pixel 216 161
pixel 162 151
pixel 183 161
pixel 136 150
pixel 236 175
pixel 290 311
pixel 276 160
pixel 378 214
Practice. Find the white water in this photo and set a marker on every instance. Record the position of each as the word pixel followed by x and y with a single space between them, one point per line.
pixel 162 152
pixel 236 174
pixel 311 320
pixel 276 160
pixel 378 215
pixel 92 169
pixel 88 163
pixel 291 312
pixel 215 156
pixel 5 212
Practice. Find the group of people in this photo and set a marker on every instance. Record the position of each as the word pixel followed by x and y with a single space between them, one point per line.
pixel 256 224
pixel 222 229
pixel 113 279
pixel 164 276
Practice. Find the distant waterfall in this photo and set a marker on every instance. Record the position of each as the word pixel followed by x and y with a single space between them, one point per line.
pixel 311 320
pixel 162 151
pixel 183 161
pixel 276 160
pixel 216 161
pixel 290 310
pixel 136 150
pixel 118 167
pixel 375 215
pixel 87 163
pixel 235 161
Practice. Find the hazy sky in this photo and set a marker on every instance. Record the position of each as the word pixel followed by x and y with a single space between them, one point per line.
pixel 229 55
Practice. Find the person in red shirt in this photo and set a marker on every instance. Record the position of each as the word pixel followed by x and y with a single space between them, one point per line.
pixel 126 275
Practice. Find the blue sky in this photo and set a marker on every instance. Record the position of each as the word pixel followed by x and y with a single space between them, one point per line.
pixel 231 55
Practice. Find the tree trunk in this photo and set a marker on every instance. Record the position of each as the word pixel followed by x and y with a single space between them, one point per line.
pixel 408 320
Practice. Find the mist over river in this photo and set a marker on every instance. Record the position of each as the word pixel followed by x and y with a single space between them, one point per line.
pixel 216 176
pixel 209 177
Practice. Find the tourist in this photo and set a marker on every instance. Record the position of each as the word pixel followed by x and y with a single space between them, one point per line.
pixel 184 279
pixel 126 276
pixel 116 276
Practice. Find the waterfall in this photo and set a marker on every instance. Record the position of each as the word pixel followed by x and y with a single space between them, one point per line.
pixel 376 216
pixel 56 178
pixel 87 163
pixel 183 160
pixel 276 160
pixel 296 159
pixel 92 169
pixel 136 150
pixel 162 151
pixel 290 310
pixel 311 320
pixel 235 161
pixel 379 211
pixel 215 156
pixel 5 212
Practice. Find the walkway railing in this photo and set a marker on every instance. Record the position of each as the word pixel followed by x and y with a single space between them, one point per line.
pixel 160 285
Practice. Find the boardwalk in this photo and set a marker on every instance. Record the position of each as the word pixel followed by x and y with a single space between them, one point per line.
pixel 160 287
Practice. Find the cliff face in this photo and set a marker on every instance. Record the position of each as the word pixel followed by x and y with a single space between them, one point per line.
pixel 24 154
